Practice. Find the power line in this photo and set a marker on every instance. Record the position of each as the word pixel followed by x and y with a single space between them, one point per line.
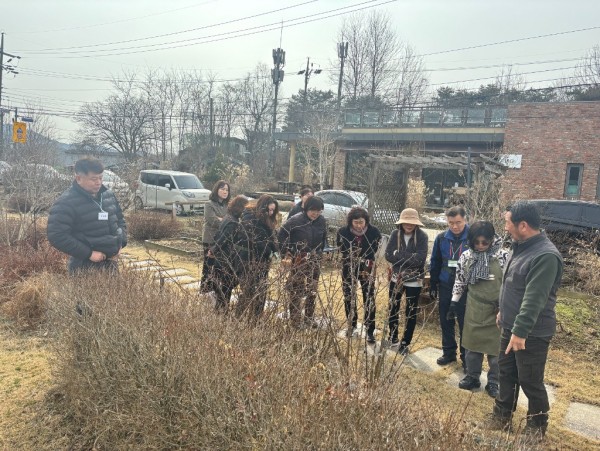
pixel 222 36
pixel 172 33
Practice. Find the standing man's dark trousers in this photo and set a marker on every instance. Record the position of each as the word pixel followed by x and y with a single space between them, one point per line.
pixel 524 369
pixel 366 279
pixel 449 345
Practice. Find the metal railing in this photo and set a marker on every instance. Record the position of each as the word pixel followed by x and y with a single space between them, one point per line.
pixel 426 117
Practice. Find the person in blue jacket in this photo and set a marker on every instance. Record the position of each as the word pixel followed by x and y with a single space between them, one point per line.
pixel 447 249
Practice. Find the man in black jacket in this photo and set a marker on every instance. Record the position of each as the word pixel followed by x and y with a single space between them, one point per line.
pixel 302 240
pixel 358 242
pixel 86 222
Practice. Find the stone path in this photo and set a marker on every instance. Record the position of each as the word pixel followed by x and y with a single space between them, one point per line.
pixel 583 419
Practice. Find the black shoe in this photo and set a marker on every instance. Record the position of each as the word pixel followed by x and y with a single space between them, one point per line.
pixel 403 349
pixel 492 389
pixel 446 359
pixel 371 338
pixel 469 383
pixel 499 423
pixel 350 332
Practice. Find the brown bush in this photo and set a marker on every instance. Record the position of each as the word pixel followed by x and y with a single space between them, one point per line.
pixel 146 225
pixel 27 258
pixel 158 369
pixel 27 304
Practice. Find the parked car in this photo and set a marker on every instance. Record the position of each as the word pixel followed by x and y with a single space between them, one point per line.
pixel 160 189
pixel 113 182
pixel 337 204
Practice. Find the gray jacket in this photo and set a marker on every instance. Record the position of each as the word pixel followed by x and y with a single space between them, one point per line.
pixel 531 280
pixel 214 212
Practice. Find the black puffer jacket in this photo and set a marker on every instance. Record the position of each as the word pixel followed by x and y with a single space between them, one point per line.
pixel 260 239
pixel 348 244
pixel 229 248
pixel 301 235
pixel 409 260
pixel 75 228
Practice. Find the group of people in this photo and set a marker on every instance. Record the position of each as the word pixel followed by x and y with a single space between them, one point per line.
pixel 504 302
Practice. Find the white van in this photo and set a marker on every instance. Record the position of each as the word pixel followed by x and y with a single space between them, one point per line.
pixel 160 189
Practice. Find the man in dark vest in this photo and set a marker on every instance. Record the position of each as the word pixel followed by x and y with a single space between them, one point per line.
pixel 86 222
pixel 527 317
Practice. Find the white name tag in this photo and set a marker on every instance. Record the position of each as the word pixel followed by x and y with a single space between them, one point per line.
pixel 452 263
pixel 103 216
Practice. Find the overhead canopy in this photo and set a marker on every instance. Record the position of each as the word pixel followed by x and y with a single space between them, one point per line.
pixel 438 162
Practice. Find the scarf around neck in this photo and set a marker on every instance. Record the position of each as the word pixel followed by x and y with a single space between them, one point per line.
pixel 480 267
pixel 358 232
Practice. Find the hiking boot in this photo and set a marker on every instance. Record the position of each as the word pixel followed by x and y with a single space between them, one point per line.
pixel 492 389
pixel 370 338
pixel 403 349
pixel 469 383
pixel 446 359
pixel 534 434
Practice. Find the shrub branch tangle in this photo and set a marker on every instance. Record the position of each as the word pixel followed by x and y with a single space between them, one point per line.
pixel 161 370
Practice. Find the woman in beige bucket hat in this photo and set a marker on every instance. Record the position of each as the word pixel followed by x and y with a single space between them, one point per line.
pixel 407 252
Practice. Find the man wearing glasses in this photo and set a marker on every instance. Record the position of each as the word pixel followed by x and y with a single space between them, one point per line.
pixel 86 222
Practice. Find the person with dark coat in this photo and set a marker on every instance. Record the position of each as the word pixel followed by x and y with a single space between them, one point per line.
pixel 86 222
pixel 479 273
pixel 358 242
pixel 229 253
pixel 302 239
pixel 527 318
pixel 407 252
pixel 447 249
pixel 214 212
pixel 305 194
pixel 258 226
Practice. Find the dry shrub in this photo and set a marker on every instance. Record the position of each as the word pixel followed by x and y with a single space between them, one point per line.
pixel 27 258
pixel 147 225
pixel 157 369
pixel 27 305
pixel 586 267
pixel 415 194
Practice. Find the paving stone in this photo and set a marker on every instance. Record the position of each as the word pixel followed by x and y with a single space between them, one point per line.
pixel 180 279
pixel 152 268
pixel 174 272
pixel 193 285
pixel 424 360
pixel 584 419
pixel 141 263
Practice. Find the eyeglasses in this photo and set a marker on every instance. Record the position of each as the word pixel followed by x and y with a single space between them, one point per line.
pixel 481 242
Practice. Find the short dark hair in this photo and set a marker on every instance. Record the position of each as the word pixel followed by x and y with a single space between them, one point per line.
pixel 88 164
pixel 480 228
pixel 314 203
pixel 214 194
pixel 456 211
pixel 358 213
pixel 237 205
pixel 524 210
pixel 304 191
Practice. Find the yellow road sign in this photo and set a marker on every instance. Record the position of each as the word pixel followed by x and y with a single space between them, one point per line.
pixel 19 132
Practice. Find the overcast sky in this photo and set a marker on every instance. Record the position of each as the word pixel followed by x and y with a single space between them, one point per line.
pixel 60 78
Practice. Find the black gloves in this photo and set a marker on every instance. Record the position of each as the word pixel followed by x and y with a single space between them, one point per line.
pixel 433 290
pixel 451 315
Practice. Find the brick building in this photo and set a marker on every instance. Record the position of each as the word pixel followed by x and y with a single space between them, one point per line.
pixel 554 150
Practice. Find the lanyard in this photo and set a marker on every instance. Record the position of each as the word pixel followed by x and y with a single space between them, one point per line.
pixel 453 252
pixel 99 204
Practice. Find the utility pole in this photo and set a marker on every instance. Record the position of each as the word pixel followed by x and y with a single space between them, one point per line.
pixel 277 76
pixel 307 73
pixel 11 70
pixel 342 55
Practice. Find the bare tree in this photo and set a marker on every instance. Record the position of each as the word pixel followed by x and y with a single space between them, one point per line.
pixel 588 69
pixel 355 76
pixel 256 104
pixel 319 149
pixel 122 122
pixel 410 84
pixel 382 45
